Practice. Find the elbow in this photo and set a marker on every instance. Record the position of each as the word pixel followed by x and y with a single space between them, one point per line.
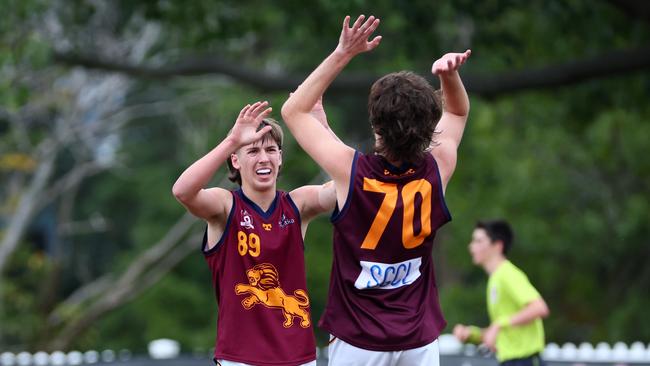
pixel 459 112
pixel 287 111
pixel 179 193
pixel 290 111
pixel 464 107
pixel 544 311
pixel 464 110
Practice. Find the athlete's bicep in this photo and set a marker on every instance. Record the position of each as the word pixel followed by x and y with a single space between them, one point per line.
pixel 209 204
pixel 445 153
pixel 445 146
pixel 451 127
pixel 314 200
pixel 327 196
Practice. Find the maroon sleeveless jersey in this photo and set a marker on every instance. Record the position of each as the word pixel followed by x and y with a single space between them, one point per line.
pixel 383 293
pixel 258 272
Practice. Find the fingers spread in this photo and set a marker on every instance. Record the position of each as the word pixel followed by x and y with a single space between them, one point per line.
pixel 251 109
pixel 258 108
pixel 367 23
pixel 266 112
pixel 372 26
pixel 375 42
pixel 262 131
pixel 358 22
pixel 244 110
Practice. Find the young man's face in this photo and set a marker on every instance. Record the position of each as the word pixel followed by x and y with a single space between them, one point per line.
pixel 259 163
pixel 482 247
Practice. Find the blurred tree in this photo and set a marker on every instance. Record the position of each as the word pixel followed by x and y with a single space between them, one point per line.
pixel 103 103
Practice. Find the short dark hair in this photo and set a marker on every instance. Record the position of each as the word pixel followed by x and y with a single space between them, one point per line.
pixel 404 110
pixel 498 230
pixel 276 134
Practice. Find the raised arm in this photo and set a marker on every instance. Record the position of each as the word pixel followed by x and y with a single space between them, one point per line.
pixel 313 200
pixel 318 111
pixel 454 115
pixel 189 189
pixel 332 155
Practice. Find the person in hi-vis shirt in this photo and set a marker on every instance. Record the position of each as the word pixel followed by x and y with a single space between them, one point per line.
pixel 515 307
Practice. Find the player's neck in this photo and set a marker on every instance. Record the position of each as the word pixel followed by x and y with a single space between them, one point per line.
pixel 492 264
pixel 262 198
pixel 395 163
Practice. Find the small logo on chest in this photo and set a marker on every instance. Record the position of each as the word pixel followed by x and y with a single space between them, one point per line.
pixel 247 220
pixel 285 221
pixel 267 227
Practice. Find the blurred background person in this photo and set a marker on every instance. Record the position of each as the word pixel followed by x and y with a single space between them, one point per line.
pixel 515 307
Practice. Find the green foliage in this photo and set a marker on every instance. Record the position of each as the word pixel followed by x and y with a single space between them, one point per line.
pixel 573 191
pixel 181 307
pixel 566 166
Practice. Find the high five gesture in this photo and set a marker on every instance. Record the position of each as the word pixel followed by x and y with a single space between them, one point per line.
pixel 354 40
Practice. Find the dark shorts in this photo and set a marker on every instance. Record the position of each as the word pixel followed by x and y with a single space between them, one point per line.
pixel 534 360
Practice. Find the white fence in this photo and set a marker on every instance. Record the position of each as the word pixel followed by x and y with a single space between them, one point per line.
pixel 619 353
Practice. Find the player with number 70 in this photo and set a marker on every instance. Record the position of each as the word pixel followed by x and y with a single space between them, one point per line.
pixel 383 298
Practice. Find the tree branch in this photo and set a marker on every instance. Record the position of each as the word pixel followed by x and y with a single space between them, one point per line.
pixel 78 297
pixel 70 180
pixel 118 295
pixel 142 273
pixel 608 64
pixel 634 8
pixel 613 63
pixel 26 208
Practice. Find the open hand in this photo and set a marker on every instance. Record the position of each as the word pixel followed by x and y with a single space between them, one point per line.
pixel 245 130
pixel 450 62
pixel 355 40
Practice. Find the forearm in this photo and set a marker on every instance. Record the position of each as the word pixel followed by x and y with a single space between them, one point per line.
pixel 534 310
pixel 455 97
pixel 307 94
pixel 197 175
pixel 318 112
pixel 323 121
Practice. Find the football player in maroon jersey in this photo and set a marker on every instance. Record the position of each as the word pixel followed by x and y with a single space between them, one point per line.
pixel 383 303
pixel 253 243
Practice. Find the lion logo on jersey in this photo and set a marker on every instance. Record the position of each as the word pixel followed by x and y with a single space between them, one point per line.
pixel 264 287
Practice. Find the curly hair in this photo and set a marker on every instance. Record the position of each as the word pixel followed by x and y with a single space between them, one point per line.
pixel 276 134
pixel 404 110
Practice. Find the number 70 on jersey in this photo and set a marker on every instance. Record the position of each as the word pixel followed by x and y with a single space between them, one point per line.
pixel 387 208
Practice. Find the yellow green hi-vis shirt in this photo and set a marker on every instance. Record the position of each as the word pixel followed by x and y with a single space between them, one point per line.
pixel 508 292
